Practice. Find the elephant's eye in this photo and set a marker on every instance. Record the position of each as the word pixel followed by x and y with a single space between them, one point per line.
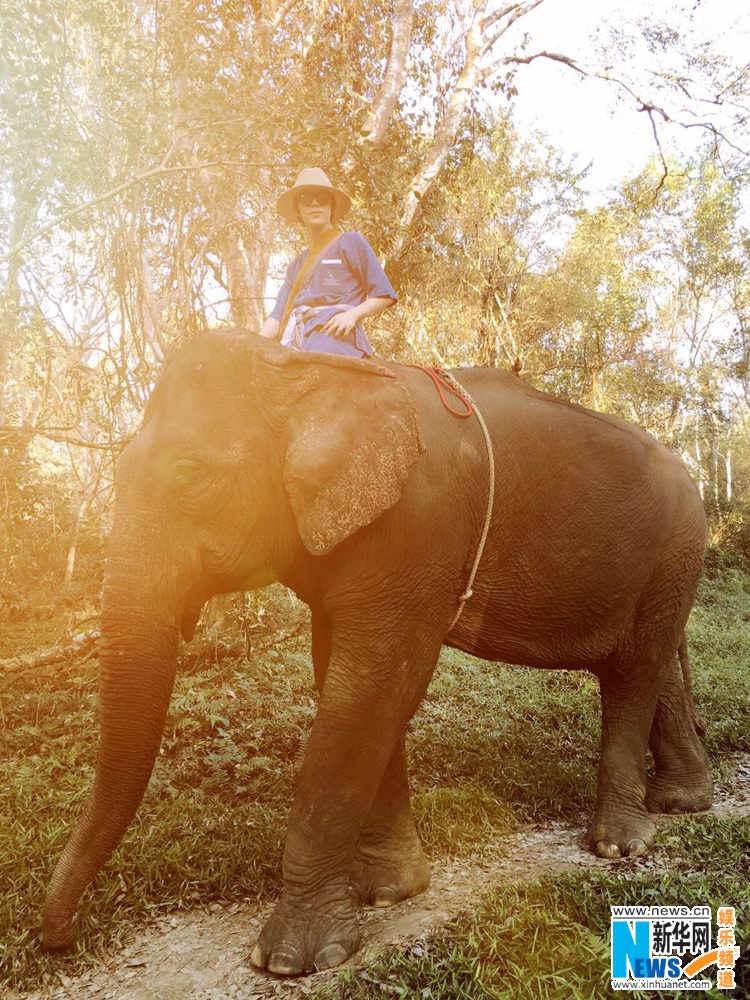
pixel 188 478
pixel 187 472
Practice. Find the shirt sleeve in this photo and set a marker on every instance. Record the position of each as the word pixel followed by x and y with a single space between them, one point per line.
pixel 374 280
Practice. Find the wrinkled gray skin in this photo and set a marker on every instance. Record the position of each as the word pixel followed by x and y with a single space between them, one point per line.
pixel 351 483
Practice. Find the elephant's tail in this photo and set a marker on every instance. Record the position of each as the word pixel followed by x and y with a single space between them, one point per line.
pixel 699 722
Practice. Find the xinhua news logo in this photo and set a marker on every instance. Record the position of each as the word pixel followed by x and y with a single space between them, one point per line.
pixel 667 947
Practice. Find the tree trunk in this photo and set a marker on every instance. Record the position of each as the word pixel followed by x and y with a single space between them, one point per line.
pixel 447 129
pixel 149 306
pixel 243 298
pixel 395 73
pixel 728 461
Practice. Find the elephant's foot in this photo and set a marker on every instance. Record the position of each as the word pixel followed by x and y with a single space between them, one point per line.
pixel 681 781
pixel 383 875
pixel 306 936
pixel 618 835
pixel 679 794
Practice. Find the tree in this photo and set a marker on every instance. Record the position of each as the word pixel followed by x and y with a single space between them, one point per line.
pixel 485 249
pixel 141 150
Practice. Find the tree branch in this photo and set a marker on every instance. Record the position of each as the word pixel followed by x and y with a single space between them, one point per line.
pixel 54 434
pixel 509 15
pixel 642 103
pixel 114 192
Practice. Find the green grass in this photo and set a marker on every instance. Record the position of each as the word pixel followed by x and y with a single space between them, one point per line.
pixel 719 637
pixel 548 939
pixel 491 747
pixel 211 825
pixel 488 725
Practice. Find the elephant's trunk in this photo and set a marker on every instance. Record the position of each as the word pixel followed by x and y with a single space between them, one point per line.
pixel 137 670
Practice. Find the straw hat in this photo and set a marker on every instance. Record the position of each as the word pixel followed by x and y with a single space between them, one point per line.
pixel 313 179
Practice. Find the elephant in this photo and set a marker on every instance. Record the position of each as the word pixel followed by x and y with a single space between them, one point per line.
pixel 350 482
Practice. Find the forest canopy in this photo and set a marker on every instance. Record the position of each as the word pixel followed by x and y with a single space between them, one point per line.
pixel 142 147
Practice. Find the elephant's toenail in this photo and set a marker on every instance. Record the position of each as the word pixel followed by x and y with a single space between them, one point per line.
pixel 330 956
pixel 257 957
pixel 637 848
pixel 285 961
pixel 607 850
pixel 384 896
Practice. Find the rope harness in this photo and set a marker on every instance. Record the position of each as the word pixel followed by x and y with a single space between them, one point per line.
pixel 446 383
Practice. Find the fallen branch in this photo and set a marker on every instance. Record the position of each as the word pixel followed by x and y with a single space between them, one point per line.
pixel 85 644
pixel 208 647
pixel 82 644
pixel 286 633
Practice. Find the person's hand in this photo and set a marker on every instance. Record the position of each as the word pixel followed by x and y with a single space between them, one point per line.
pixel 341 324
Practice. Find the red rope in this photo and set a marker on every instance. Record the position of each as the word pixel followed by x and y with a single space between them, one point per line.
pixel 438 376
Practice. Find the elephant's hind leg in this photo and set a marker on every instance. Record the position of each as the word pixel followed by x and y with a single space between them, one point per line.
pixel 681 780
pixel 389 864
pixel 621 826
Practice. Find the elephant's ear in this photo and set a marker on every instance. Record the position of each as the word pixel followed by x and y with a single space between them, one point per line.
pixel 354 436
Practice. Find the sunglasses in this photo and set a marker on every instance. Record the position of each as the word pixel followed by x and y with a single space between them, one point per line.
pixel 314 197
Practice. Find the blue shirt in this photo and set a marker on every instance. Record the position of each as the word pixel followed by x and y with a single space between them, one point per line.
pixel 348 273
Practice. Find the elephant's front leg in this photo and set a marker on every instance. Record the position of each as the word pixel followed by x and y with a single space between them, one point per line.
pixel 389 864
pixel 314 925
pixel 372 687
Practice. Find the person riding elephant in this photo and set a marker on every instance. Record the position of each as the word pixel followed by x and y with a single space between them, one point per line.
pixel 332 285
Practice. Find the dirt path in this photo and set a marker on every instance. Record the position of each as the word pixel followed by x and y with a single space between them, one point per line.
pixel 204 955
